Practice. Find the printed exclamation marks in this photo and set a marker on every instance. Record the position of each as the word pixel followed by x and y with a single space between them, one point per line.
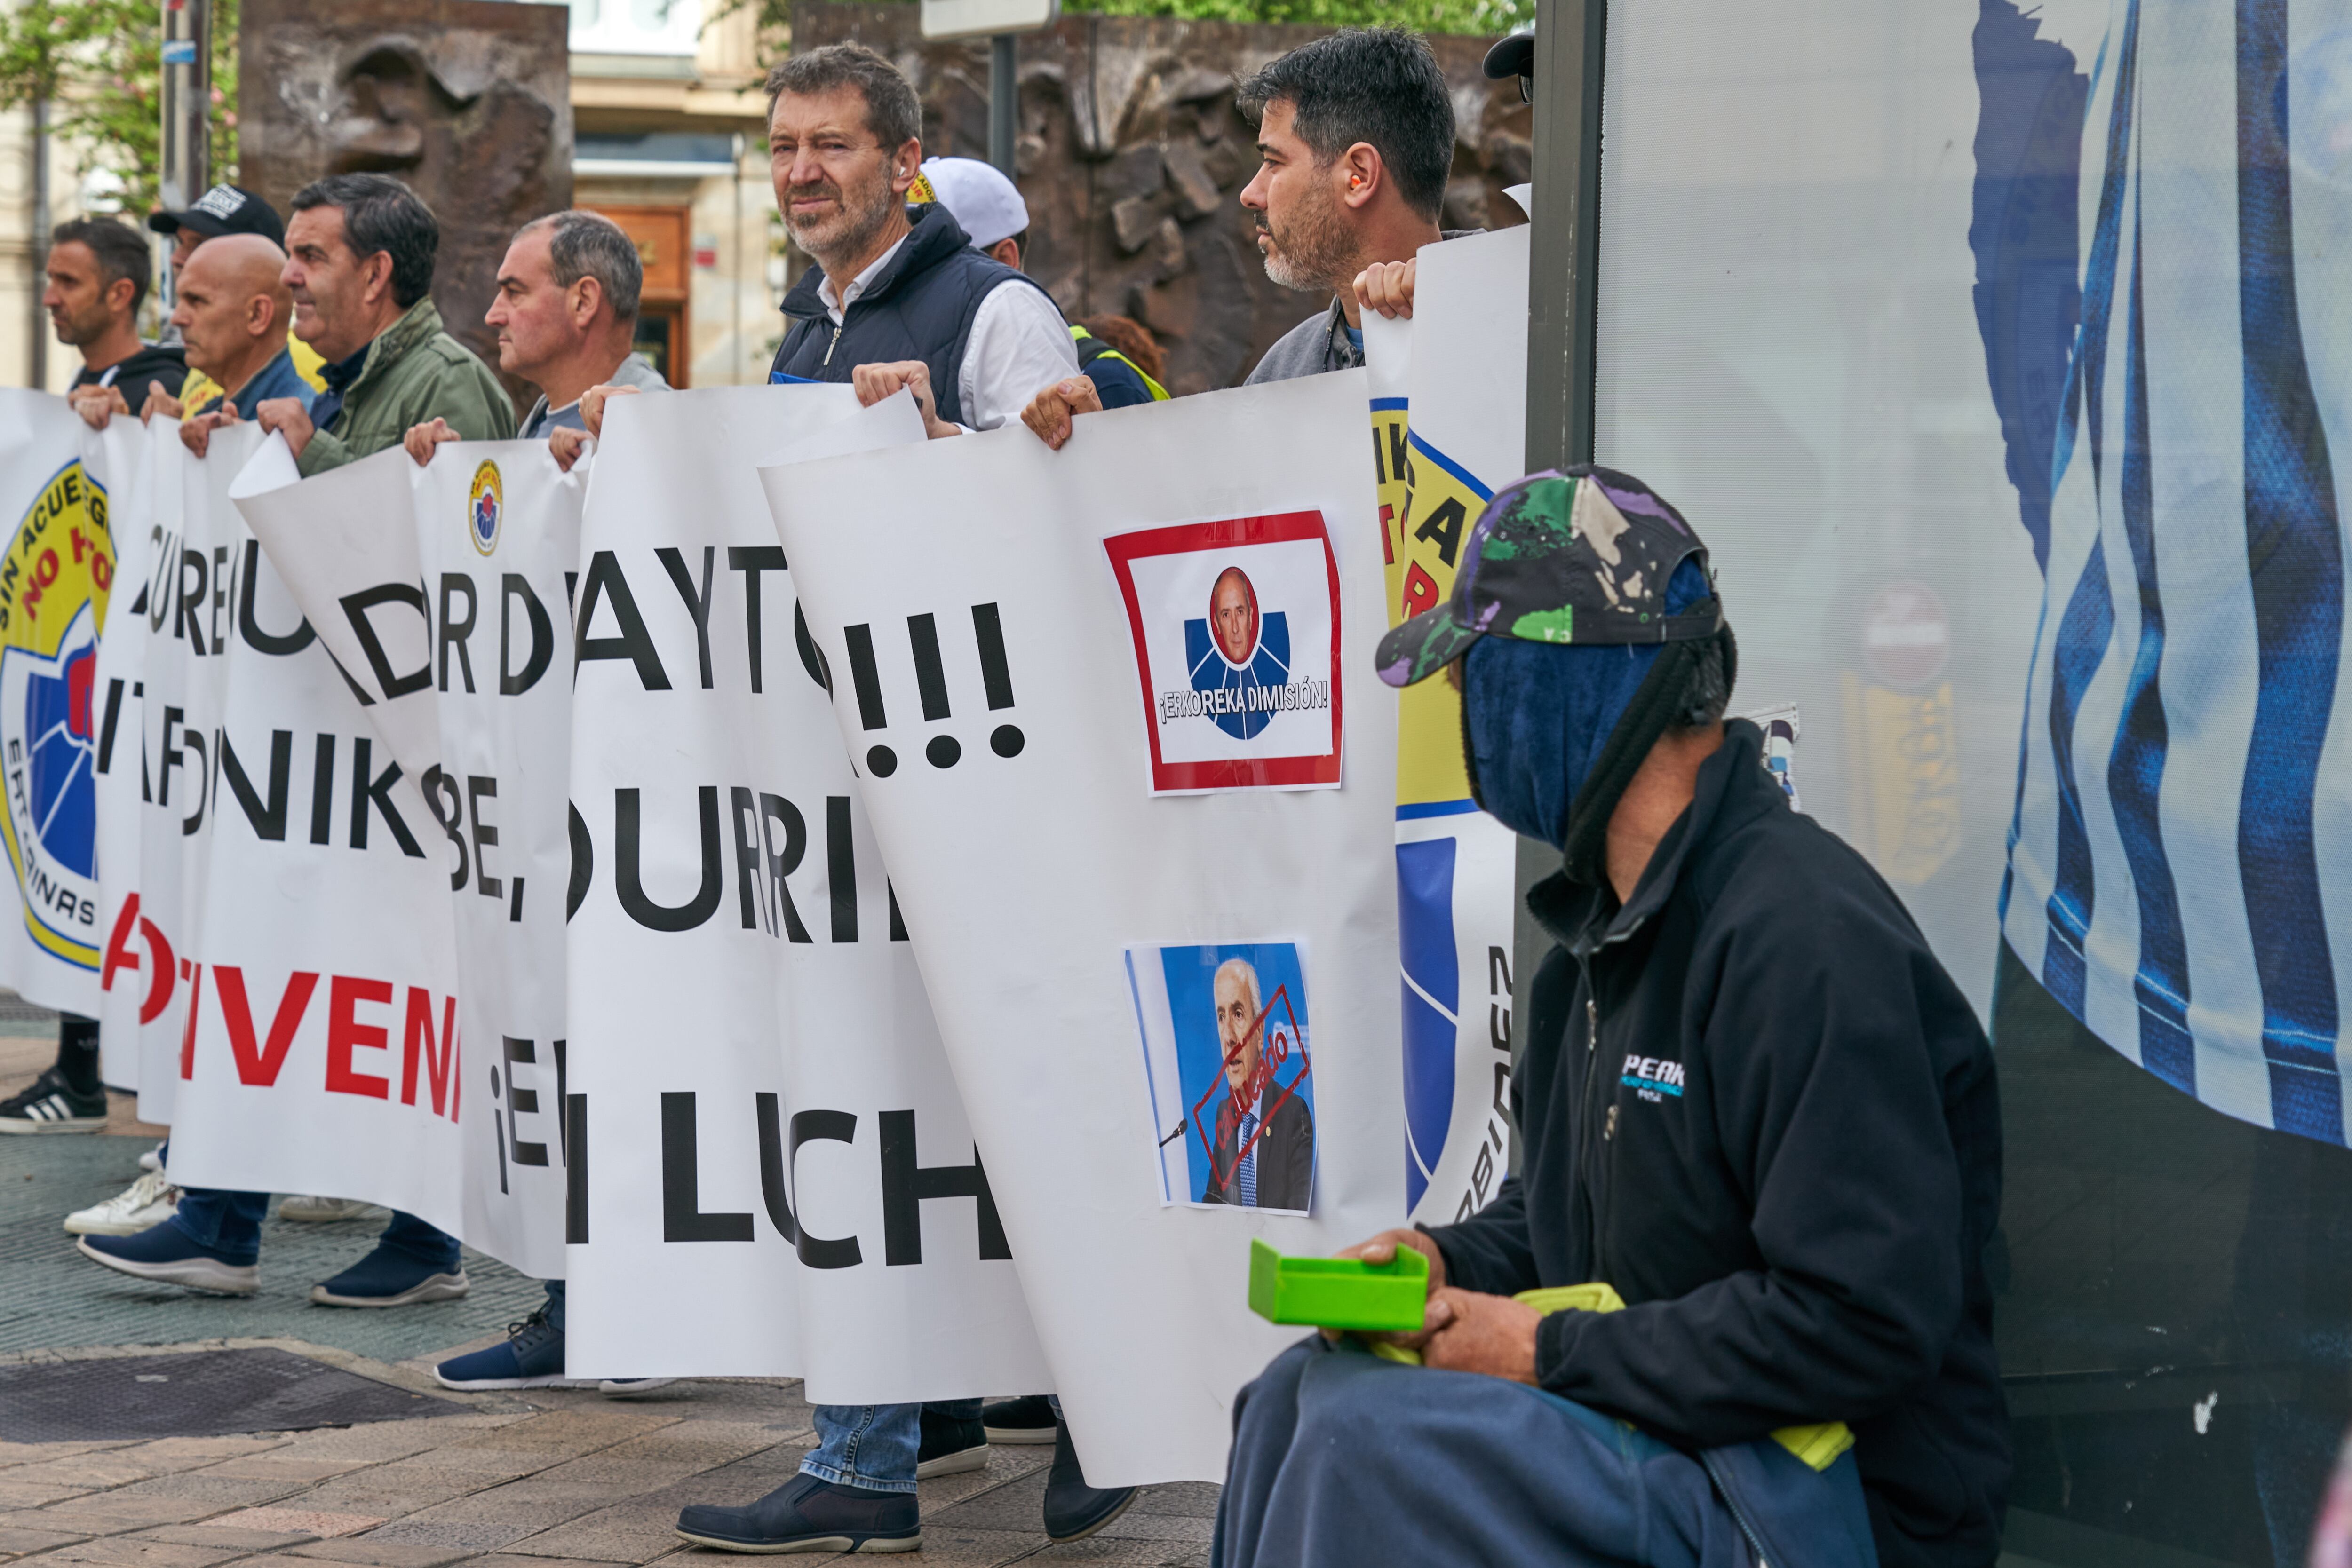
pixel 880 760
pixel 996 676
pixel 931 688
pixel 931 682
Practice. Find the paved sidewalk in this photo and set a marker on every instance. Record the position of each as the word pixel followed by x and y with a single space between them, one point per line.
pixel 543 1479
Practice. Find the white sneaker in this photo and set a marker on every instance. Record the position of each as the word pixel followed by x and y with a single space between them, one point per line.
pixel 152 1160
pixel 145 1203
pixel 319 1210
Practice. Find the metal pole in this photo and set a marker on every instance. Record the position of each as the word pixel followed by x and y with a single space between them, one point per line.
pixel 1564 253
pixel 187 103
pixel 1004 100
pixel 40 366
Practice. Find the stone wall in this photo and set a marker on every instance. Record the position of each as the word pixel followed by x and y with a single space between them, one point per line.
pixel 466 101
pixel 1131 156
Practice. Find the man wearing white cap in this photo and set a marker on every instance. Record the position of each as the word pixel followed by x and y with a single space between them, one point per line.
pixel 985 204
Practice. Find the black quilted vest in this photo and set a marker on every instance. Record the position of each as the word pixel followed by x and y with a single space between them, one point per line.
pixel 920 308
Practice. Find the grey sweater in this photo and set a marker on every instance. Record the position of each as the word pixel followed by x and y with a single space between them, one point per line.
pixel 1320 343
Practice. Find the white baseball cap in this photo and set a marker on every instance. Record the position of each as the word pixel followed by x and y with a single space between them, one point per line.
pixel 983 202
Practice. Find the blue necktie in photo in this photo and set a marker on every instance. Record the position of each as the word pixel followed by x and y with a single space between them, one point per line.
pixel 1246 1176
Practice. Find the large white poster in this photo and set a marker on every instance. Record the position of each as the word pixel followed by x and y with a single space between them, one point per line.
pixel 56 574
pixel 441 592
pixel 311 961
pixel 773 1174
pixel 1449 420
pixel 987 652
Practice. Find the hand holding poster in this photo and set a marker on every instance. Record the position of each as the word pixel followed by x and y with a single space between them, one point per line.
pixel 999 684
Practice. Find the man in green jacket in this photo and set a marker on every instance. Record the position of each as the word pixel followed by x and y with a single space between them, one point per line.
pixel 360 263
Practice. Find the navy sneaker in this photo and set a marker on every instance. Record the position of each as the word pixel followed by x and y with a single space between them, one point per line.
pixel 949 1447
pixel 1074 1509
pixel 388 1279
pixel 531 1357
pixel 167 1256
pixel 630 1388
pixel 807 1514
pixel 1028 1419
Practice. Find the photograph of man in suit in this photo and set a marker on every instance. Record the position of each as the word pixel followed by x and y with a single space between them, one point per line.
pixel 1264 1154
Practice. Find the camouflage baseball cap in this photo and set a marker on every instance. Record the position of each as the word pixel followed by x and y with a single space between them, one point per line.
pixel 1582 555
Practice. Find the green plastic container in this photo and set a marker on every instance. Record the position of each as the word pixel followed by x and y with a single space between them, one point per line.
pixel 1340 1292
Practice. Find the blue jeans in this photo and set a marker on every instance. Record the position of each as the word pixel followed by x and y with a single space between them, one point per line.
pixel 229 1224
pixel 875 1446
pixel 554 1308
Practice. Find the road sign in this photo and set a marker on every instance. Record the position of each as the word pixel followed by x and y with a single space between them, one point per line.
pixel 985 18
pixel 1906 635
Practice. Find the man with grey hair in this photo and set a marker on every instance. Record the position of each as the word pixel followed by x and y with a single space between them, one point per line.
pixel 898 297
pixel 566 317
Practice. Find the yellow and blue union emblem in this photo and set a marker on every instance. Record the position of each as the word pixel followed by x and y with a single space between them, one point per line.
pixel 54 578
pixel 486 507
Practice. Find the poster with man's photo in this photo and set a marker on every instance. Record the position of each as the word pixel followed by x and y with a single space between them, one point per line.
pixel 1226 1064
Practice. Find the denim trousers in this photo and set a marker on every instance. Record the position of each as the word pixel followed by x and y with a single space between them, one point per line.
pixel 875 1446
pixel 229 1224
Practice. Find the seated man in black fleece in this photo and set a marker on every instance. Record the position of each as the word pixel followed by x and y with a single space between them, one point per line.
pixel 1761 1130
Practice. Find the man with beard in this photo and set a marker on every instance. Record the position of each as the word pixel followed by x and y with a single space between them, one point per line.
pixel 98 277
pixel 1357 133
pixel 899 298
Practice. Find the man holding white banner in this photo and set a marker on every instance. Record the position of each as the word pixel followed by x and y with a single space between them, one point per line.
pixel 360 251
pixel 971 340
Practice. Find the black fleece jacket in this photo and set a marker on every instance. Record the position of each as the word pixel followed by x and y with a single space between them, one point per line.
pixel 1752 1101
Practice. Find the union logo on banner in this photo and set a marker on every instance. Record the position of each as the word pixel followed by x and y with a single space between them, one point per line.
pixel 54 576
pixel 486 506
pixel 1237 631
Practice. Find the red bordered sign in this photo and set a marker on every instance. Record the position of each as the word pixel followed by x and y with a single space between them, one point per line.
pixel 1236 632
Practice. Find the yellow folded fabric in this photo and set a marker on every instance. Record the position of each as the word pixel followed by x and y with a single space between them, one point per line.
pixel 1818 1446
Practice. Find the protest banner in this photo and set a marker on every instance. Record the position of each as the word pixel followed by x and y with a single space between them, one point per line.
pixel 281 956
pixel 117 764
pixel 441 591
pixel 57 573
pixel 1011 635
pixel 772 1173
pixel 1448 421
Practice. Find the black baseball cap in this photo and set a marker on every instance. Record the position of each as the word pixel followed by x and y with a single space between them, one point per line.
pixel 1512 56
pixel 224 210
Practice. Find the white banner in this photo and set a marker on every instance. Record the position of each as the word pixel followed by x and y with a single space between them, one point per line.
pixel 441 592
pixel 997 681
pixel 127 965
pixel 776 1176
pixel 1449 419
pixel 57 570
pixel 307 941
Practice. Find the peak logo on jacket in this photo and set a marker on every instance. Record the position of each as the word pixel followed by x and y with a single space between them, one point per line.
pixel 54 578
pixel 1651 1078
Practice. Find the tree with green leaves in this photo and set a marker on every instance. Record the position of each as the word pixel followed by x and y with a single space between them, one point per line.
pixel 100 65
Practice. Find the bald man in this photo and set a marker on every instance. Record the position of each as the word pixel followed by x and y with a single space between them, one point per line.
pixel 232 315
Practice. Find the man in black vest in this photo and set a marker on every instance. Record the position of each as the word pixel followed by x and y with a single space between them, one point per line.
pixel 898 297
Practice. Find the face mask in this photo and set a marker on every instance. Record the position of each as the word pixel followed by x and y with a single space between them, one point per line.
pixel 1536 716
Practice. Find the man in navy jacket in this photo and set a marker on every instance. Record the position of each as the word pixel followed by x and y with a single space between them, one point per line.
pixel 1751 1101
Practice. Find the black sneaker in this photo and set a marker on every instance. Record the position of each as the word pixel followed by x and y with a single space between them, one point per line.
pixel 1074 1509
pixel 807 1514
pixel 51 1106
pixel 1028 1419
pixel 949 1447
